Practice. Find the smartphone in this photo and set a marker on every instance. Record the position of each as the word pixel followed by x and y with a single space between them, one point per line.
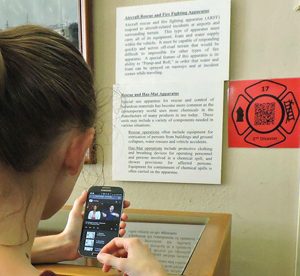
pixel 101 221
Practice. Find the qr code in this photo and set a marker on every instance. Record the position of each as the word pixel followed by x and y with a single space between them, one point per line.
pixel 264 113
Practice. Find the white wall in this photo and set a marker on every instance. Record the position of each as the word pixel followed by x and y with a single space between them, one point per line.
pixel 259 186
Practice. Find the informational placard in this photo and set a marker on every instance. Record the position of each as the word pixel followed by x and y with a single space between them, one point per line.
pixel 180 41
pixel 168 132
pixel 172 244
pixel 171 63
pixel 264 113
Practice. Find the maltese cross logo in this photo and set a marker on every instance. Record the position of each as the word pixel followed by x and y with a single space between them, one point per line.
pixel 265 114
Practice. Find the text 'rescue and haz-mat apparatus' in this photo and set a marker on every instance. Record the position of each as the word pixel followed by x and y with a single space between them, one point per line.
pixel 171 134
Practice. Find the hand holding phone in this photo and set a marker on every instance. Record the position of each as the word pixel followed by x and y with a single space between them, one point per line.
pixel 101 220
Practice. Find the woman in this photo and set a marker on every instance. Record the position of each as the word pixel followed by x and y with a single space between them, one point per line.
pixel 47 114
pixel 94 214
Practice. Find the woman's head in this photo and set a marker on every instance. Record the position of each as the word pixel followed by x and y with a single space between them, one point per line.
pixel 46 89
pixel 46 95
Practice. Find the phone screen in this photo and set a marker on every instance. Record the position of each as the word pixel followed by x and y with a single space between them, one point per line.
pixel 101 220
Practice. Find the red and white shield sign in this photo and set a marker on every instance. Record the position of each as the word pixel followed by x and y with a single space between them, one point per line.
pixel 264 113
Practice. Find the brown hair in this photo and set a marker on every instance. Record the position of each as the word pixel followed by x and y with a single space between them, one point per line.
pixel 46 89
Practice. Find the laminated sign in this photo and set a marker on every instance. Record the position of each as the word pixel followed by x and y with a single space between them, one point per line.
pixel 264 113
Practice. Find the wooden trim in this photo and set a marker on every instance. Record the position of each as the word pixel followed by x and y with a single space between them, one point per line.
pixel 85 8
pixel 75 270
pixel 86 24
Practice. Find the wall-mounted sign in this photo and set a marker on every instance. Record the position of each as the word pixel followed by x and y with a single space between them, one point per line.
pixel 264 113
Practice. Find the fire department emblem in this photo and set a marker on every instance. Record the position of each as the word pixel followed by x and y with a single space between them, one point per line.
pixel 265 114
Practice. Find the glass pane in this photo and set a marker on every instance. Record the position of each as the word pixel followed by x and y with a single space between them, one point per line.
pixel 59 15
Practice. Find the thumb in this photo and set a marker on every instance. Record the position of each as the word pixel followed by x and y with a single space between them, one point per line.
pixel 109 260
pixel 79 202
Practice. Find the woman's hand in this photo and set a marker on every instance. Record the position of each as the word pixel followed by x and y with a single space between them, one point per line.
pixel 64 246
pixel 130 256
pixel 72 230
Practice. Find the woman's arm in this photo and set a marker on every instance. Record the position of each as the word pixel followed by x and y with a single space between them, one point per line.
pixel 53 249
